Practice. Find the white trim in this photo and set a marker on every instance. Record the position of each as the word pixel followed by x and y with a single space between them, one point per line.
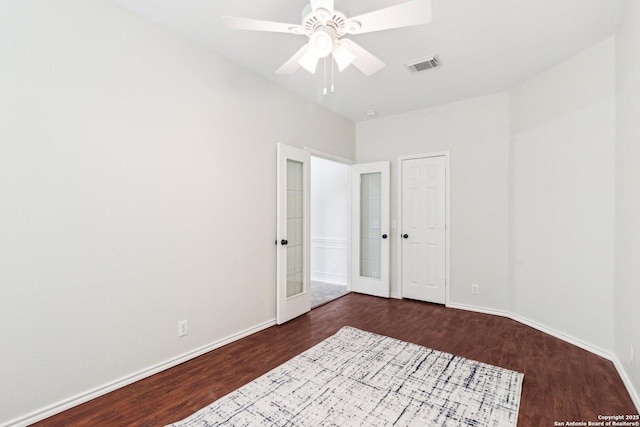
pixel 331 247
pixel 535 325
pixel 63 405
pixel 327 156
pixel 447 156
pixel 476 309
pixel 350 230
pixel 329 243
pixel 564 337
pixel 627 383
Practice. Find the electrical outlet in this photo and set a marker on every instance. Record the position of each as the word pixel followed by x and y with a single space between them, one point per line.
pixel 183 327
pixel 631 355
pixel 475 289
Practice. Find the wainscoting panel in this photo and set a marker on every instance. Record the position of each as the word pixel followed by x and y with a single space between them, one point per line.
pixel 329 260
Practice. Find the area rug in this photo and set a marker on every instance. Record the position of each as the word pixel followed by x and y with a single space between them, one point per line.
pixel 357 378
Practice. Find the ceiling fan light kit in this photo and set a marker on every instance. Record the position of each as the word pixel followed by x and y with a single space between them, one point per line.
pixel 325 26
pixel 321 42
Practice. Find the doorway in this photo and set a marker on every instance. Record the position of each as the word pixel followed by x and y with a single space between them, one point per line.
pixel 330 225
pixel 329 250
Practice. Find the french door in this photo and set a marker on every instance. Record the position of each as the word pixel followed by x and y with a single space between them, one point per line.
pixel 369 224
pixel 370 229
pixel 293 231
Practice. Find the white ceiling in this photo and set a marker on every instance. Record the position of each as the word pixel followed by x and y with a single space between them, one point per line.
pixel 485 46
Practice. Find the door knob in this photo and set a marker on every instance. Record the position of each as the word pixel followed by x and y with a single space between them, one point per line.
pixel 384 236
pixel 283 242
pixel 406 236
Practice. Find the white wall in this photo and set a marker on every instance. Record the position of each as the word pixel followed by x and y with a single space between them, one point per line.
pixel 562 126
pixel 476 133
pixel 330 199
pixel 137 183
pixel 532 194
pixel 627 271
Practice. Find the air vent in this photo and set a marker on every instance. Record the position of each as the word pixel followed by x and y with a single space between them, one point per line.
pixel 424 64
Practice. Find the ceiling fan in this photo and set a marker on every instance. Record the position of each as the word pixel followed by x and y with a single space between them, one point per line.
pixel 325 27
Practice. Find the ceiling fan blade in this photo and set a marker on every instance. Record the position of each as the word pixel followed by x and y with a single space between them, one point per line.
pixel 414 12
pixel 364 60
pixel 259 25
pixel 342 56
pixel 309 61
pixel 292 65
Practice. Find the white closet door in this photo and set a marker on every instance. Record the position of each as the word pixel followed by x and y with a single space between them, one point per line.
pixel 424 229
pixel 293 272
pixel 370 229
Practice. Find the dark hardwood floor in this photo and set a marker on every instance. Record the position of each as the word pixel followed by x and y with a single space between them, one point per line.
pixel 561 383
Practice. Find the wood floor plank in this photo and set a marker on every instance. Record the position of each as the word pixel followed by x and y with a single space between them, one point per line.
pixel 562 382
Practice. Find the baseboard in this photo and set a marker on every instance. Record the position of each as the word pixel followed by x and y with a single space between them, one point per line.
pixel 627 383
pixel 567 338
pixel 476 309
pixel 61 406
pixel 535 325
pixel 564 337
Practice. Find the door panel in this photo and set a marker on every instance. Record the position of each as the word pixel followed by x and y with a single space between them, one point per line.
pixel 293 276
pixel 424 229
pixel 370 229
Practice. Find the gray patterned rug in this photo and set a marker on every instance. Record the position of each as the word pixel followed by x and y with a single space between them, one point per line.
pixel 357 378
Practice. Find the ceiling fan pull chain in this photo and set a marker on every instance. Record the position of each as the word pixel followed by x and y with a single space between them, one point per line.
pixel 332 73
pixel 324 90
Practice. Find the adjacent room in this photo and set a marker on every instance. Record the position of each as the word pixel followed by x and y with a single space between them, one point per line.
pixel 451 177
pixel 330 221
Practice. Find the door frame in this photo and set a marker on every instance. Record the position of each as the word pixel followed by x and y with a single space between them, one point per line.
pixel 446 154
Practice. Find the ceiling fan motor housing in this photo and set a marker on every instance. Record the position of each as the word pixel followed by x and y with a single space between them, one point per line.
pixel 323 18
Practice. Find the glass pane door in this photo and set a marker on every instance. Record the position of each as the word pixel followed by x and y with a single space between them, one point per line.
pixel 370 225
pixel 295 228
pixel 293 297
pixel 370 229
